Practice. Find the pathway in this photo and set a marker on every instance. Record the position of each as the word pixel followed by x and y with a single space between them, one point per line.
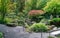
pixel 19 32
pixel 13 32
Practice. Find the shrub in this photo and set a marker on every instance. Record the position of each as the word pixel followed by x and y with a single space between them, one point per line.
pixel 35 4
pixel 52 7
pixel 56 22
pixel 1 35
pixel 10 22
pixel 36 15
pixel 1 21
pixel 36 12
pixel 39 27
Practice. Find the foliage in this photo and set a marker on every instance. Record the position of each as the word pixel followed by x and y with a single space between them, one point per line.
pixel 36 12
pixel 10 10
pixel 41 3
pixel 18 9
pixel 34 5
pixel 36 18
pixel 11 22
pixel 39 27
pixel 35 15
pixel 52 7
pixel 3 9
pixel 8 20
pixel 55 21
pixel 1 35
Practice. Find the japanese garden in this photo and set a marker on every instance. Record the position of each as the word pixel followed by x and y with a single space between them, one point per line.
pixel 29 18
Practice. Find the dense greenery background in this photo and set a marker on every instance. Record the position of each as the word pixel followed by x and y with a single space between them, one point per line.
pixel 17 10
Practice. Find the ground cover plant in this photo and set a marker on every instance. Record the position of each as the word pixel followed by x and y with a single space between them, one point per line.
pixel 1 35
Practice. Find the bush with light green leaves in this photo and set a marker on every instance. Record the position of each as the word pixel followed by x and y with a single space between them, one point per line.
pixel 52 7
pixel 39 27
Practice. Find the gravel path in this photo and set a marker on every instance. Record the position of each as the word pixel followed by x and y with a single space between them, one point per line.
pixel 19 32
pixel 13 32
